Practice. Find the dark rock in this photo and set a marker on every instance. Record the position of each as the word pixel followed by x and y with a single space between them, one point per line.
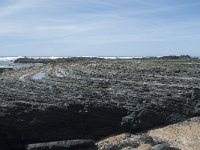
pixel 148 116
pixel 197 110
pixel 48 60
pixel 196 94
pixel 124 144
pixel 100 98
pixel 55 123
pixel 146 139
pixel 163 146
pixel 64 145
pixel 176 57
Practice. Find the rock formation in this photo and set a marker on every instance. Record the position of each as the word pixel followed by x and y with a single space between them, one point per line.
pixel 94 98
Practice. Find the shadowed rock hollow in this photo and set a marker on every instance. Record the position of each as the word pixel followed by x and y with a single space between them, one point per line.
pixel 94 98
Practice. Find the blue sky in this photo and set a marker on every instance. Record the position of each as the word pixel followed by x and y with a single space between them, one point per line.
pixel 99 27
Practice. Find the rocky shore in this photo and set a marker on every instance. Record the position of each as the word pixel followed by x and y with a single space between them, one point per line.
pixel 5 69
pixel 181 136
pixel 86 100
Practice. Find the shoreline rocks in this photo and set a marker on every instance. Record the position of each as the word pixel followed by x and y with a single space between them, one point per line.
pixel 97 98
pixel 58 60
pixel 181 136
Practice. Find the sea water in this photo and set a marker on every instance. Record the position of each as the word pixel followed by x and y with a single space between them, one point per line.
pixel 8 62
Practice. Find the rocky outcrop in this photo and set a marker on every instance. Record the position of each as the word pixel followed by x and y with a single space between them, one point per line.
pixel 58 60
pixel 94 98
pixel 176 57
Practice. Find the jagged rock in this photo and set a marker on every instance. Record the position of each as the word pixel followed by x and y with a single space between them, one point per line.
pixel 149 116
pixel 196 94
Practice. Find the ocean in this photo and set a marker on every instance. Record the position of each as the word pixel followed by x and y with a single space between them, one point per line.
pixel 8 62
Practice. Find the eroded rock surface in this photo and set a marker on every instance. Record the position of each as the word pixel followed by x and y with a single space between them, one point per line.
pixel 95 99
pixel 181 136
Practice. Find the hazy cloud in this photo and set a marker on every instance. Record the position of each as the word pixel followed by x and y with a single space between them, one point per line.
pixel 74 27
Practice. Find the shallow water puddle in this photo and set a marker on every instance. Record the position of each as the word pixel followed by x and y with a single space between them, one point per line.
pixel 61 73
pixel 22 78
pixel 40 75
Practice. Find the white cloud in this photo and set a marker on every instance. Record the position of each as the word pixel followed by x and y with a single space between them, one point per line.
pixel 94 22
pixel 17 6
pixel 66 29
pixel 10 29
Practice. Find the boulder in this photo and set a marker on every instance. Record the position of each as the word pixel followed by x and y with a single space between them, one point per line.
pixel 64 145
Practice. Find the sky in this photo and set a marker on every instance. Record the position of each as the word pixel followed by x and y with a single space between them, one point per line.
pixel 99 27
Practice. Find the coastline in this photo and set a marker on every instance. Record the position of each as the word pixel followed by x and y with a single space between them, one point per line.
pixel 92 98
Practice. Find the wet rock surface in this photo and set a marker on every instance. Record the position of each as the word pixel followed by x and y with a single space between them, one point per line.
pixel 95 98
